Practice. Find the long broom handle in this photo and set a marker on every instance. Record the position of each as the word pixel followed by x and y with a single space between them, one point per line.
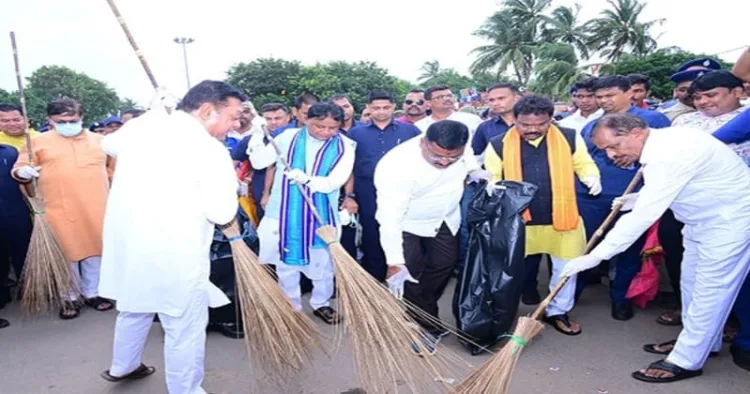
pixel 287 167
pixel 590 245
pixel 137 50
pixel 19 81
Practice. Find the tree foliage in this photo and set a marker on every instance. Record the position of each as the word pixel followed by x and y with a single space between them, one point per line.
pixel 619 30
pixel 556 70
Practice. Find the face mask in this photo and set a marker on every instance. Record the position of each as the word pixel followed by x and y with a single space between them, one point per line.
pixel 69 129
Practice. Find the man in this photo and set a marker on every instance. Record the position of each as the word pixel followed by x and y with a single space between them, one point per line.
pixel 246 125
pixel 502 97
pixel 156 247
pixel 443 106
pixel 130 114
pixel 111 125
pixel 96 127
pixel 529 152
pixel 72 171
pixel 374 140
pixel 302 104
pixel 613 95
pixel 682 102
pixel 706 186
pixel 588 108
pixel 321 160
pixel 419 187
pixel 365 116
pixel 640 86
pixel 415 107
pixel 716 96
pixel 345 102
pixel 13 126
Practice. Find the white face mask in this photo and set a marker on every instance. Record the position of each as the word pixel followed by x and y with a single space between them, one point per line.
pixel 69 129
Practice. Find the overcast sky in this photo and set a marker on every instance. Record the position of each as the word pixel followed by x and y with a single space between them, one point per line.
pixel 398 34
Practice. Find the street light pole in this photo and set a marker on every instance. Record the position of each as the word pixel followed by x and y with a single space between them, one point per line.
pixel 184 41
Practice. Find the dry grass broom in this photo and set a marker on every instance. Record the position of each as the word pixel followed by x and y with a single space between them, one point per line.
pixel 280 339
pixel 494 377
pixel 381 332
pixel 46 281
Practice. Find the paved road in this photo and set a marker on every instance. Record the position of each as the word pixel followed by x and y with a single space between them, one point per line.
pixel 66 357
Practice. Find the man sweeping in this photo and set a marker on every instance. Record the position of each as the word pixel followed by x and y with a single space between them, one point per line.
pixel 321 161
pixel 158 231
pixel 536 151
pixel 72 170
pixel 705 184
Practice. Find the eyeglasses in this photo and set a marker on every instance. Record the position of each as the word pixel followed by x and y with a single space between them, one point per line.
pixel 410 102
pixel 449 96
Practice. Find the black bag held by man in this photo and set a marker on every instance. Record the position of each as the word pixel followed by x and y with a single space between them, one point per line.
pixel 489 284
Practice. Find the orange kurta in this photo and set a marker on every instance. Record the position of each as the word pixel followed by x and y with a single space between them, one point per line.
pixel 74 184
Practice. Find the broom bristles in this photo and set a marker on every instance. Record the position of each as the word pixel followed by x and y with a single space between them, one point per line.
pixel 494 377
pixel 277 338
pixel 46 281
pixel 382 332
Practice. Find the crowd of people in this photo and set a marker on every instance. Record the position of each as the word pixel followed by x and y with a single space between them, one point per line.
pixel 137 235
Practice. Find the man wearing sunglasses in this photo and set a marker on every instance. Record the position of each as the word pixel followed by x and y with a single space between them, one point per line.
pixel 443 106
pixel 415 108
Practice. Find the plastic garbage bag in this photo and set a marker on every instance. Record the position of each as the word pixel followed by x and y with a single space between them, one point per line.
pixel 489 285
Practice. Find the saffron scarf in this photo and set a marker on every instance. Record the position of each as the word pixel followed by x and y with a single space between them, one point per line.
pixel 298 224
pixel 561 170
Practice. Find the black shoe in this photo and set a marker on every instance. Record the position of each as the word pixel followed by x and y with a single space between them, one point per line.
pixel 531 297
pixel 622 311
pixel 4 323
pixel 741 357
pixel 439 332
pixel 229 330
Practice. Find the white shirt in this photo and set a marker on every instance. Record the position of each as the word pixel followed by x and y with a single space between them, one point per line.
pixel 416 197
pixel 162 211
pixel 703 182
pixel 577 122
pixel 470 120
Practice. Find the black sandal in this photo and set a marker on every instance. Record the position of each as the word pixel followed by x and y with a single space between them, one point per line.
pixel 69 306
pixel 328 315
pixel 670 319
pixel 678 373
pixel 97 303
pixel 141 372
pixel 651 348
pixel 565 320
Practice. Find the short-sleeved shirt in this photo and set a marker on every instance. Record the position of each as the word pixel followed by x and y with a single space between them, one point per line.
pixel 486 131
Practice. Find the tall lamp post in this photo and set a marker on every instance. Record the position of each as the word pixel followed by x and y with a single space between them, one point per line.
pixel 184 41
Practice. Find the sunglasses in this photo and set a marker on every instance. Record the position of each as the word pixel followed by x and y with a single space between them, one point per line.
pixel 410 102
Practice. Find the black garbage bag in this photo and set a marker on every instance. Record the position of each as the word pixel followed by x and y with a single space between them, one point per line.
pixel 222 268
pixel 489 284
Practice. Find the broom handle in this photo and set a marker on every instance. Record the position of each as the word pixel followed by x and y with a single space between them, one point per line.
pixel 287 167
pixel 590 245
pixel 19 81
pixel 137 50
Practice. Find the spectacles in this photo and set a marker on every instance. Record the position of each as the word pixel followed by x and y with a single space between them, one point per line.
pixel 449 96
pixel 410 102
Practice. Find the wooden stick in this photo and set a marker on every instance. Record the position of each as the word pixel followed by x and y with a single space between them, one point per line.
pixel 593 241
pixel 19 81
pixel 137 50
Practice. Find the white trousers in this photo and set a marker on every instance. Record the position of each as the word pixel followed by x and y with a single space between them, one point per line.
pixel 86 277
pixel 184 345
pixel 565 300
pixel 289 277
pixel 712 274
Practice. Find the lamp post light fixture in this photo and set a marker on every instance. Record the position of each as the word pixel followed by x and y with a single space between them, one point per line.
pixel 184 41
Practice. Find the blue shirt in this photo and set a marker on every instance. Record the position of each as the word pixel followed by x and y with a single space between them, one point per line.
pixel 486 131
pixel 13 204
pixel 736 130
pixel 615 179
pixel 291 125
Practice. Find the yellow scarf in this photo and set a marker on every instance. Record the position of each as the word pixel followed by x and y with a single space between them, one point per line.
pixel 561 171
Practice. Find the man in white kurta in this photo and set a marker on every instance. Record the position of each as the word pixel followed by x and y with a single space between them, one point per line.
pixel 158 229
pixel 320 133
pixel 705 185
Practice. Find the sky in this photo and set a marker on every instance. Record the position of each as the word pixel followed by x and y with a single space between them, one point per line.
pixel 399 35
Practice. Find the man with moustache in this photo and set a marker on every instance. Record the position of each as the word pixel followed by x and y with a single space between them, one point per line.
pixel 443 106
pixel 345 102
pixel 415 107
pixel 682 102
pixel 502 97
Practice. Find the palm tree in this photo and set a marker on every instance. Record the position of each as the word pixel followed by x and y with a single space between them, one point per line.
pixel 556 69
pixel 510 46
pixel 620 31
pixel 527 14
pixel 430 70
pixel 563 26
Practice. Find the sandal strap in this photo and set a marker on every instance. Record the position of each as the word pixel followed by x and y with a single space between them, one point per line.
pixel 663 365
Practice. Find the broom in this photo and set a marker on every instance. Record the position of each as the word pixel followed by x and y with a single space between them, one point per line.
pixel 46 280
pixel 382 333
pixel 495 375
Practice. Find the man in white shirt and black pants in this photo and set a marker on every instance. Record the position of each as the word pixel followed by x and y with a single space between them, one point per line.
pixel 419 186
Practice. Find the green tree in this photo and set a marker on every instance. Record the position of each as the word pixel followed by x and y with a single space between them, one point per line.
pixel 450 78
pixel 619 30
pixel 8 97
pixel 556 70
pixel 265 80
pixel 510 47
pixel 429 70
pixel 528 15
pixel 658 66
pixel 563 26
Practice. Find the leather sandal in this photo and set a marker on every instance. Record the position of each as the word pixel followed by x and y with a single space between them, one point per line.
pixel 139 373
pixel 678 373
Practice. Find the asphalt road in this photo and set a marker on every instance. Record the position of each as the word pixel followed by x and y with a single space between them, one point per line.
pixel 65 357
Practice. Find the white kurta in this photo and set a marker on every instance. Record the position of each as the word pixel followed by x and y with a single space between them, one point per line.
pixel 706 186
pixel 577 122
pixel 174 183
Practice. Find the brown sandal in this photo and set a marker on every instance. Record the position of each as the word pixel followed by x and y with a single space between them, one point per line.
pixel 328 315
pixel 670 319
pixel 141 372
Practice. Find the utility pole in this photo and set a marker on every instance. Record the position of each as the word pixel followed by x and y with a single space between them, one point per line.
pixel 184 41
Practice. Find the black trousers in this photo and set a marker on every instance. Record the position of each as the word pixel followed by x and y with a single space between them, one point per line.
pixel 15 232
pixel 670 237
pixel 349 240
pixel 431 262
